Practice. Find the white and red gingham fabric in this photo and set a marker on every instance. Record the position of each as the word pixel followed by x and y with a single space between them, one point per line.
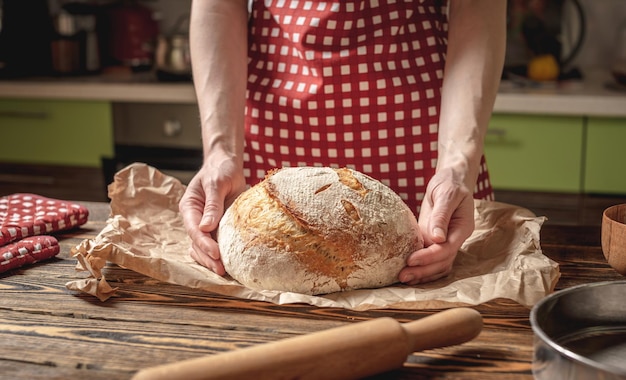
pixel 349 83
pixel 23 215
pixel 28 251
pixel 26 220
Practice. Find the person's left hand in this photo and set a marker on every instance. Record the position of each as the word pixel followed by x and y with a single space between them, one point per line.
pixel 446 220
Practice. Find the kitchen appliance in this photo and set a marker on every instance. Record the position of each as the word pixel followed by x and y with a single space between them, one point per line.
pixel 580 333
pixel 25 38
pixel 349 352
pixel 75 45
pixel 65 45
pixel 173 58
pixel 132 33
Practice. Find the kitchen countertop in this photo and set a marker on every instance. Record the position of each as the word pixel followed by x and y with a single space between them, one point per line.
pixel 141 88
pixel 48 332
pixel 597 96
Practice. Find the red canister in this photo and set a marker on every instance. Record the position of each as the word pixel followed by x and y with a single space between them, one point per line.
pixel 133 36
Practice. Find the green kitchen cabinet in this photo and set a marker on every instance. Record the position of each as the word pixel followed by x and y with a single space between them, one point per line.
pixel 58 132
pixel 535 152
pixel 605 156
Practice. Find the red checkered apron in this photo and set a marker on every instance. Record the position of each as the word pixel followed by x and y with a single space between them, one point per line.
pixel 350 83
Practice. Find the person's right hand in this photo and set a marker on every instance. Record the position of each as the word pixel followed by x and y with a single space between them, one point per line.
pixel 208 194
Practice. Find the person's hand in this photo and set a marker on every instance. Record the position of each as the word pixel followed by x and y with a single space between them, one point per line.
pixel 202 206
pixel 446 220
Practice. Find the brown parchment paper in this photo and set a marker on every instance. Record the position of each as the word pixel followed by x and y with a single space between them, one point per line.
pixel 145 233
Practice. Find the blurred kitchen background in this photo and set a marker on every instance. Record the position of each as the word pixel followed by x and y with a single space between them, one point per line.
pixel 89 86
pixel 89 37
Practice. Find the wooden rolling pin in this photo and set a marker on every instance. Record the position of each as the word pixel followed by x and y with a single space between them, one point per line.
pixel 347 352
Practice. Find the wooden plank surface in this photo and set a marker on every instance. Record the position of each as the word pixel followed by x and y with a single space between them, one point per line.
pixel 49 332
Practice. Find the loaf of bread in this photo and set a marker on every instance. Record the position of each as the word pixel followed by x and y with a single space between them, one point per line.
pixel 317 230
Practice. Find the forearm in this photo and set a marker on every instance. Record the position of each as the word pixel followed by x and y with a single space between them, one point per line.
pixel 475 56
pixel 218 43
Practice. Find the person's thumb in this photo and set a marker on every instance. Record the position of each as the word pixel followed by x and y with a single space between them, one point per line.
pixel 439 221
pixel 211 215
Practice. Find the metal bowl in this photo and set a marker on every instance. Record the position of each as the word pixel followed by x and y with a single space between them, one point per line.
pixel 580 333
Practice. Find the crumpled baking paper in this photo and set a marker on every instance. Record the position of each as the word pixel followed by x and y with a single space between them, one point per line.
pixel 145 233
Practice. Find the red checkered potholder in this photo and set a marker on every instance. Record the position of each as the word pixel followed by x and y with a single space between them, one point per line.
pixel 28 251
pixel 23 215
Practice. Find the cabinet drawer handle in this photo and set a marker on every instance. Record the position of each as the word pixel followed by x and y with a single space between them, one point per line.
pixel 499 132
pixel 24 114
pixel 172 128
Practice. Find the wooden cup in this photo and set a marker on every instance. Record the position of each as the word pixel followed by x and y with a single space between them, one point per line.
pixel 614 237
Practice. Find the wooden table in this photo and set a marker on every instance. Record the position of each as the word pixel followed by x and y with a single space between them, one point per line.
pixel 48 332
